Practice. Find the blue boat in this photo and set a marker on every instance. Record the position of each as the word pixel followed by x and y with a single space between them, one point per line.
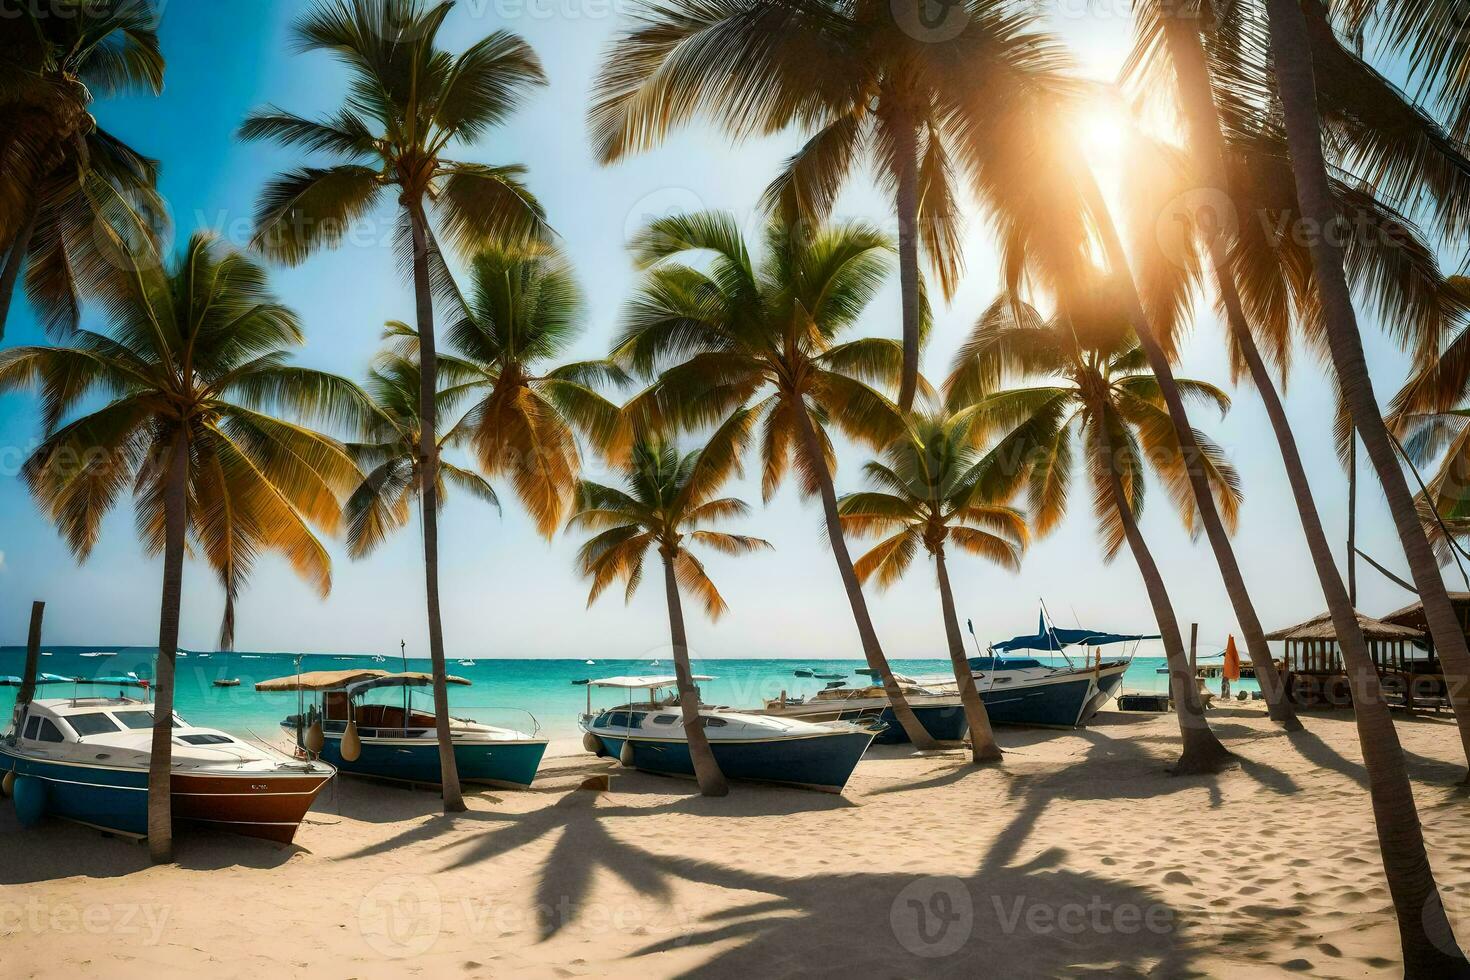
pixel 399 740
pixel 650 736
pixel 85 758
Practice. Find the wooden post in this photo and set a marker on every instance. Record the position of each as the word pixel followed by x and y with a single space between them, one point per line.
pixel 33 655
pixel 1193 649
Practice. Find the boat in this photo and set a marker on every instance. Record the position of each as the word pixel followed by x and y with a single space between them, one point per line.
pixel 399 740
pixel 466 663
pixel 98 653
pixel 227 682
pixel 85 758
pixel 1015 690
pixel 649 736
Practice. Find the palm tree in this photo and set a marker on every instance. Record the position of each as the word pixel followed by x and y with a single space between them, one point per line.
pixel 935 489
pixel 1266 281
pixel 73 198
pixel 523 312
pixel 193 366
pixel 388 457
pixel 665 503
pixel 1425 934
pixel 870 80
pixel 408 103
pixel 1095 390
pixel 731 333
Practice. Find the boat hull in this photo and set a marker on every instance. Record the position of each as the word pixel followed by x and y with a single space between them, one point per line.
pixel 270 806
pixel 507 764
pixel 819 762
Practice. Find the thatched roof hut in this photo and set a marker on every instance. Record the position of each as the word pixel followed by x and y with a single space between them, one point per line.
pixel 1322 628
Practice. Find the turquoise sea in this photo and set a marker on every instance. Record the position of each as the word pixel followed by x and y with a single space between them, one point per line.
pixel 502 691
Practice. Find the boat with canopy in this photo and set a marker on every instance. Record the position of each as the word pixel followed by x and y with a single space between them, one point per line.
pixel 1015 690
pixel 85 758
pixel 648 734
pixel 379 724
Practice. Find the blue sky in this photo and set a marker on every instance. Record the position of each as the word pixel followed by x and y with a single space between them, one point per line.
pixel 506 591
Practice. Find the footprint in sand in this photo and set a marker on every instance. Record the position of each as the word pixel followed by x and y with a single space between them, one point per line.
pixel 1328 949
pixel 1249 890
pixel 1298 965
pixel 1178 878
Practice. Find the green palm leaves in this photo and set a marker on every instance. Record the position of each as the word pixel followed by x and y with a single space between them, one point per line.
pixel 933 488
pixel 1098 396
pixel 666 503
pixel 408 104
pixel 198 350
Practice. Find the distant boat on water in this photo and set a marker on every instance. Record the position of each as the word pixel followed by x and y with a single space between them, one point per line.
pixel 466 663
pixel 99 653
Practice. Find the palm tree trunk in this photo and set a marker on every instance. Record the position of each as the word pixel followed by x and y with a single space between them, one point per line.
pixel 1318 208
pixel 429 495
pixel 706 769
pixel 160 763
pixel 1235 588
pixel 13 262
pixel 1428 942
pixel 1207 145
pixel 982 736
pixel 907 205
pixel 1202 751
pixel 872 650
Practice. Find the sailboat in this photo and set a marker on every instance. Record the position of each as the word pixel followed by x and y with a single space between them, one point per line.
pixel 1015 690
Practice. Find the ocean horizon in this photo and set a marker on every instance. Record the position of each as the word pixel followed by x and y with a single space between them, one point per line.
pixel 503 690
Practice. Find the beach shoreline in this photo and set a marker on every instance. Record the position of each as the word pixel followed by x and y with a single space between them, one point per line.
pixel 1078 854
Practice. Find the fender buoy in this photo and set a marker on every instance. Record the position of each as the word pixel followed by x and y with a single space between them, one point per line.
pixel 625 756
pixel 7 785
pixel 315 739
pixel 593 744
pixel 351 744
pixel 30 800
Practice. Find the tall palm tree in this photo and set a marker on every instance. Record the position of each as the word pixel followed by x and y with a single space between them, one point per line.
pixel 193 369
pixel 1095 389
pixel 388 456
pixel 933 490
pixel 1428 942
pixel 666 501
pixel 523 312
pixel 73 198
pixel 871 80
pixel 722 331
pixel 1264 281
pixel 408 104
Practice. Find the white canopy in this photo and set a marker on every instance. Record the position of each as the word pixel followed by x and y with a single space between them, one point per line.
pixel 642 683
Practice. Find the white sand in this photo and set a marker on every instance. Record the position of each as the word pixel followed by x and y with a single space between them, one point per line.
pixel 1078 856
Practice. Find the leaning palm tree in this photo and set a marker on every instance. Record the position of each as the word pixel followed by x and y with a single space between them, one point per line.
pixel 872 81
pixel 523 311
pixel 388 456
pixel 721 332
pixel 934 490
pixel 666 501
pixel 1425 934
pixel 409 103
pixel 73 198
pixel 1094 391
pixel 194 368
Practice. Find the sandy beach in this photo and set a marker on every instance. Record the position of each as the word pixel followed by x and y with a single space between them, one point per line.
pixel 1079 856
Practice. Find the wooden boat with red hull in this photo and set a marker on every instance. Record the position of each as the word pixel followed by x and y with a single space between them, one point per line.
pixel 86 759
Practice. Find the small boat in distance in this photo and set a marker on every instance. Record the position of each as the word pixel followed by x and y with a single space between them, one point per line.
pixel 99 653
pixel 399 740
pixel 85 759
pixel 230 682
pixel 650 736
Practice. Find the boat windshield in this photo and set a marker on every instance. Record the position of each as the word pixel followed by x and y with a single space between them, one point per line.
pixel 139 719
pixel 93 724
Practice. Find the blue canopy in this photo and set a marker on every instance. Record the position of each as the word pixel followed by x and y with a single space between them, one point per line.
pixel 45 679
pixel 1055 639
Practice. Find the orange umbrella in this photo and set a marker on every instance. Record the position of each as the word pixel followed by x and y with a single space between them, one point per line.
pixel 1232 660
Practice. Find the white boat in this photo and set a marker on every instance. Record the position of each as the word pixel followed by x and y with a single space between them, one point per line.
pixel 649 735
pixel 98 653
pixel 86 758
